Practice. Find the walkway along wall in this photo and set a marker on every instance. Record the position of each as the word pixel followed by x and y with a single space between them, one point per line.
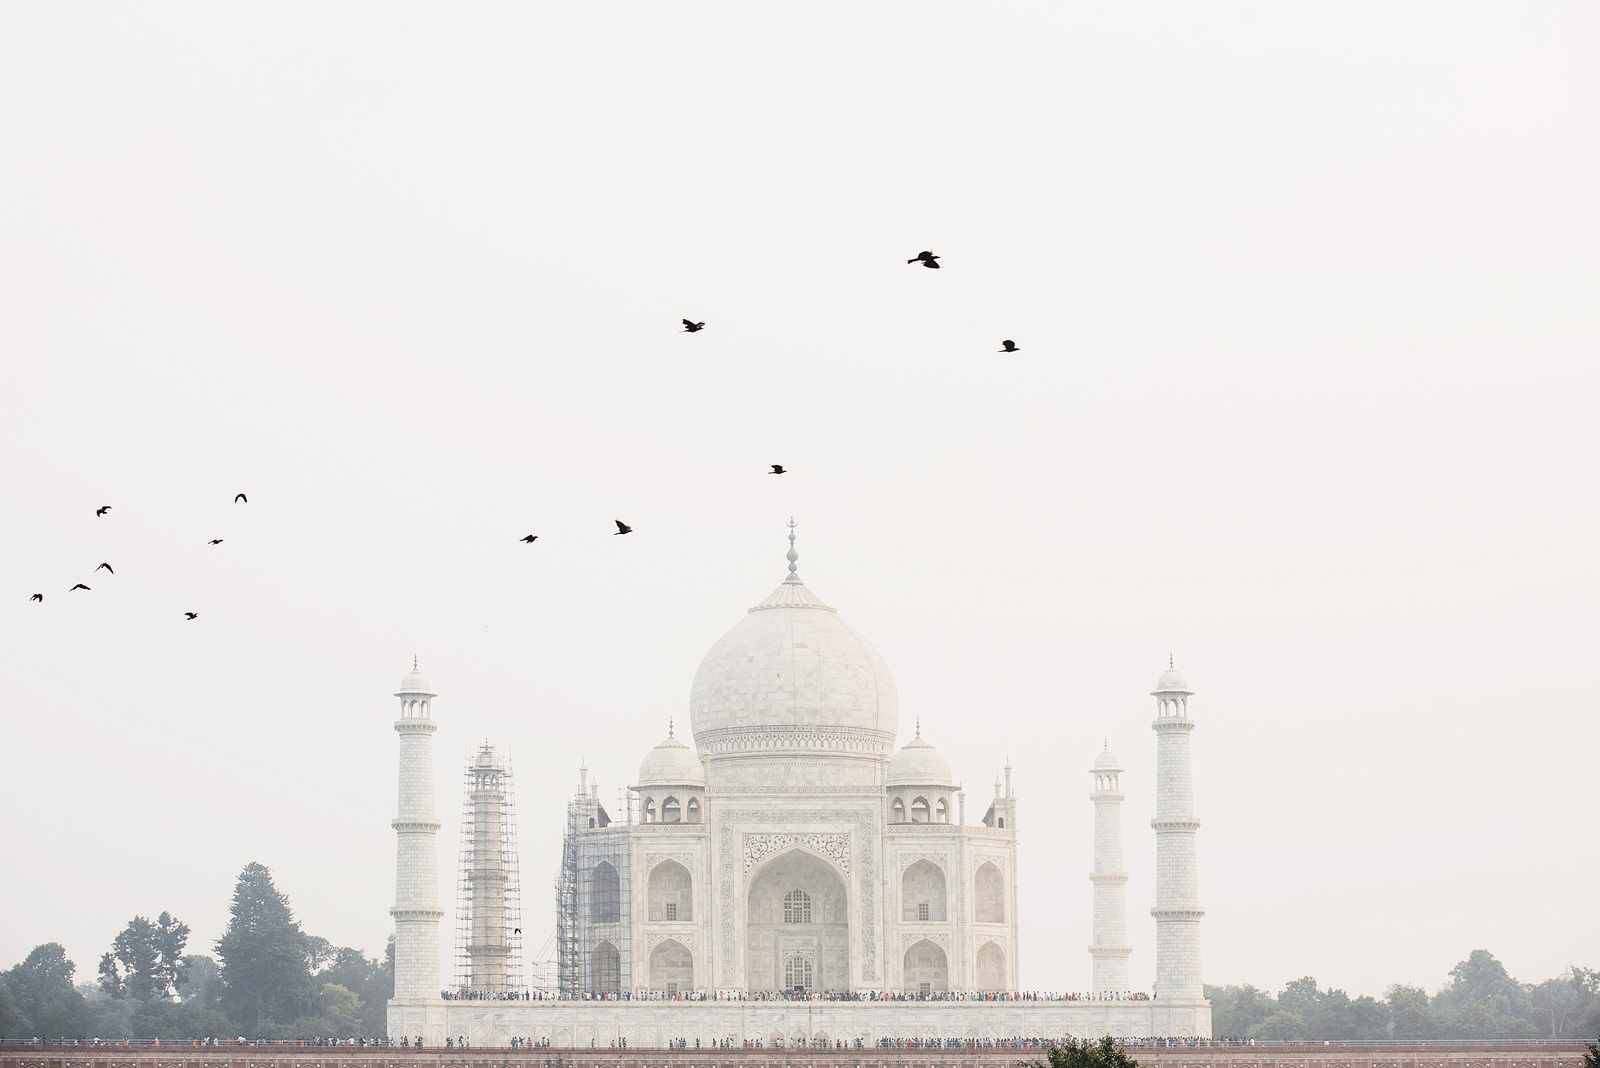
pixel 1416 1056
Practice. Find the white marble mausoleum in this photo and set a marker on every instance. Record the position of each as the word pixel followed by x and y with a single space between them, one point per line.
pixel 793 850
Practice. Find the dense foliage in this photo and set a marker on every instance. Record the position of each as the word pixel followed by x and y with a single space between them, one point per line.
pixel 1479 1001
pixel 1089 1053
pixel 269 980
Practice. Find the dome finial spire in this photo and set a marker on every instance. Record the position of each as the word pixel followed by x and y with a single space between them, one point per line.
pixel 414 662
pixel 794 572
pixel 669 727
pixel 1169 662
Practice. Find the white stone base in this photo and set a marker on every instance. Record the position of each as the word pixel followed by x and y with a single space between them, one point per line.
pixel 652 1024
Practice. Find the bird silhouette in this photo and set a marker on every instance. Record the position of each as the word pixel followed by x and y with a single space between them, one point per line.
pixel 689 328
pixel 530 539
pixel 237 497
pixel 191 615
pixel 622 528
pixel 214 541
pixel 1010 346
pixel 37 597
pixel 102 510
pixel 927 259
pixel 777 469
pixel 79 586
pixel 107 567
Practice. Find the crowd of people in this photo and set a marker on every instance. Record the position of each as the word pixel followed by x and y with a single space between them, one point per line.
pixel 463 994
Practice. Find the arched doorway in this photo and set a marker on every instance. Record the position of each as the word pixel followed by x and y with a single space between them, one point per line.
pixel 605 971
pixel 922 893
pixel 671 968
pixel 991 967
pixel 990 887
pixel 797 930
pixel 926 969
pixel 671 893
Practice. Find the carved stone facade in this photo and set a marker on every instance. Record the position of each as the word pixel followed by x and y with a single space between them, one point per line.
pixel 816 857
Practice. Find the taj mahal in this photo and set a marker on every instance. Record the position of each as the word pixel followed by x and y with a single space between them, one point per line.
pixel 790 877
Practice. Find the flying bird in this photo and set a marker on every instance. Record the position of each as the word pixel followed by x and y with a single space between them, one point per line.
pixel 777 469
pixel 622 528
pixel 214 541
pixel 927 259
pixel 79 586
pixel 102 510
pixel 530 539
pixel 37 597
pixel 1010 346
pixel 191 615
pixel 689 328
pixel 107 567
pixel 237 497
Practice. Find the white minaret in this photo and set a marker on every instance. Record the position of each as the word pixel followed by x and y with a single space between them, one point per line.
pixel 416 909
pixel 1177 911
pixel 1110 949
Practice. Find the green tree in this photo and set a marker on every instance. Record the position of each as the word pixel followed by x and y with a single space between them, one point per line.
pixel 263 951
pixel 1237 1009
pixel 1481 1000
pixel 146 959
pixel 1088 1053
pixel 1412 1012
pixel 12 1021
pixel 1560 1004
pixel 1370 1017
pixel 201 983
pixel 42 988
pixel 1282 1025
pixel 1591 1056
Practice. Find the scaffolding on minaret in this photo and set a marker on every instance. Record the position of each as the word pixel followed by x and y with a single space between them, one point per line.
pixel 488 944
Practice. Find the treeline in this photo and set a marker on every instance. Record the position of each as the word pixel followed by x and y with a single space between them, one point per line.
pixel 1480 1000
pixel 268 979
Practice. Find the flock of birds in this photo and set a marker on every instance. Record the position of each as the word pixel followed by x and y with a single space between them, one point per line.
pixel 926 258
pixel 100 513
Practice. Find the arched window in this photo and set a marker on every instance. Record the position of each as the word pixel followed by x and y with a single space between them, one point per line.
pixel 941 812
pixel 922 892
pixel 670 812
pixel 694 810
pixel 649 810
pixel 919 810
pixel 991 968
pixel 671 892
pixel 606 969
pixel 671 968
pixel 591 821
pixel 605 895
pixel 990 895
pixel 897 814
pixel 797 907
pixel 798 970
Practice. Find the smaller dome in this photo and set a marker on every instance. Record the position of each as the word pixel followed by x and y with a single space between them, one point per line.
pixel 671 764
pixel 919 764
pixel 1107 761
pixel 1171 681
pixel 416 682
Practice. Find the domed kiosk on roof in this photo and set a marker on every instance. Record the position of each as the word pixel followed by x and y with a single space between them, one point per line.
pixel 671 764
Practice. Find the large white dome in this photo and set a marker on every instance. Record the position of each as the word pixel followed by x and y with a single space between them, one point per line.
pixel 792 675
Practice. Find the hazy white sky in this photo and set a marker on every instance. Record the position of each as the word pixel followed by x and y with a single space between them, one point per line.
pixel 1306 396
